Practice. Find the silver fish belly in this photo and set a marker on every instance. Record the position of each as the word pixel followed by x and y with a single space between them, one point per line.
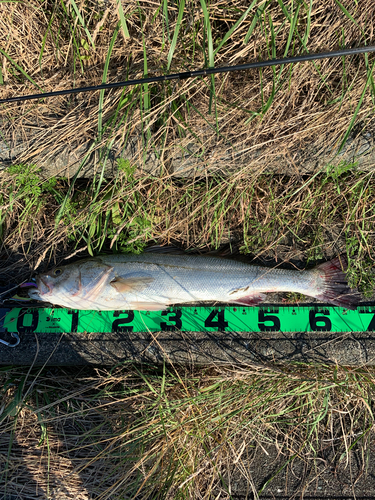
pixel 156 281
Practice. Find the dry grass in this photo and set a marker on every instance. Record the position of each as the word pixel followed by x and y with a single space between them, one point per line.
pixel 278 219
pixel 274 112
pixel 149 433
pixel 249 123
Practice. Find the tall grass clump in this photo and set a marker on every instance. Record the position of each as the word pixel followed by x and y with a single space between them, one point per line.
pixel 278 218
pixel 145 432
pixel 230 122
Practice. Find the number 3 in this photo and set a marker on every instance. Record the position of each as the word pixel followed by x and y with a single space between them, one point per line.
pixel 175 318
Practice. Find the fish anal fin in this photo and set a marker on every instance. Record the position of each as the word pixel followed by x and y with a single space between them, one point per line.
pixel 131 284
pixel 250 300
pixel 148 306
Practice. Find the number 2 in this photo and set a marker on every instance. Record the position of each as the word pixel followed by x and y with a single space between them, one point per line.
pixel 117 325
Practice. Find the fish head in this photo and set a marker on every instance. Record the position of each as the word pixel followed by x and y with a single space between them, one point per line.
pixel 68 284
pixel 59 280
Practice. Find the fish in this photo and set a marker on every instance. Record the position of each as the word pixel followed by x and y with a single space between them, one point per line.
pixel 156 281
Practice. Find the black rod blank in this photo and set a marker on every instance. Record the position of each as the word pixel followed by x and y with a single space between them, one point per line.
pixel 201 72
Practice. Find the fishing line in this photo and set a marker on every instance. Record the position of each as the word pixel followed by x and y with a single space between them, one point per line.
pixel 201 72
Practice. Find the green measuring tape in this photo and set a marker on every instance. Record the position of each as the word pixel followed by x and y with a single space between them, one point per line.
pixel 234 319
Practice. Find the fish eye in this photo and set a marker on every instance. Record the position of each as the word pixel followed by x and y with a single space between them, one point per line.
pixel 57 271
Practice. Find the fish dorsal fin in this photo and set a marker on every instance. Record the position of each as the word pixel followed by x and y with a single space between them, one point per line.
pixel 167 249
pixel 131 283
pixel 222 253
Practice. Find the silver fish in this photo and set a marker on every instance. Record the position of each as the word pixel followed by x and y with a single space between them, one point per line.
pixel 154 281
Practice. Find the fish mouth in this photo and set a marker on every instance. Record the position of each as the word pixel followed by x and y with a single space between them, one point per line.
pixel 34 294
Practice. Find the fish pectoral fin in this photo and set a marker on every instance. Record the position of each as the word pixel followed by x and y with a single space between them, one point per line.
pixel 131 284
pixel 91 289
pixel 250 300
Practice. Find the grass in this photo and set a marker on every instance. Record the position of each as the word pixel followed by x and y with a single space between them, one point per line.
pixel 227 170
pixel 278 218
pixel 150 432
pixel 274 109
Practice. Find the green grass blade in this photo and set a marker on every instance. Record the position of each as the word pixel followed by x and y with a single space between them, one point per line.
pixel 351 124
pixel 44 40
pixel 372 79
pixel 275 81
pixel 165 12
pixel 347 13
pixel 72 28
pixel 258 14
pixel 293 26
pixel 122 19
pixel 286 13
pixel 15 404
pixel 291 32
pixel 308 25
pixel 273 38
pixel 20 69
pixel 207 26
pixel 211 56
pixel 81 20
pixel 104 79
pixel 146 99
pixel 234 27
pixel 145 102
pixel 276 84
pixel 175 34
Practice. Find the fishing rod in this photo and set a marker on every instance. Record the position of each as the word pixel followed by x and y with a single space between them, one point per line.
pixel 201 72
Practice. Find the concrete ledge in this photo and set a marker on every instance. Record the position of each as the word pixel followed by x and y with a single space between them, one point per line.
pixel 187 158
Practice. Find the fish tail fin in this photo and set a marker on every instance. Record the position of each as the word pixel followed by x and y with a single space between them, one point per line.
pixel 334 287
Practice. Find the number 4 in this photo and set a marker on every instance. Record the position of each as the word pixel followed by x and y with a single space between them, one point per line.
pixel 221 324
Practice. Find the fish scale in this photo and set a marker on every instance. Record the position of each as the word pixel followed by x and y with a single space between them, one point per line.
pixel 187 278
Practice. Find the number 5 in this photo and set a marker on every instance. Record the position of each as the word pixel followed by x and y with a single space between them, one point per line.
pixel 263 318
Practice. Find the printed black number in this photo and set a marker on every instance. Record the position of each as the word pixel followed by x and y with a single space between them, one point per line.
pixel 74 326
pixel 117 325
pixel 263 317
pixel 221 324
pixel 314 320
pixel 4 312
pixel 175 318
pixel 371 326
pixel 21 328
